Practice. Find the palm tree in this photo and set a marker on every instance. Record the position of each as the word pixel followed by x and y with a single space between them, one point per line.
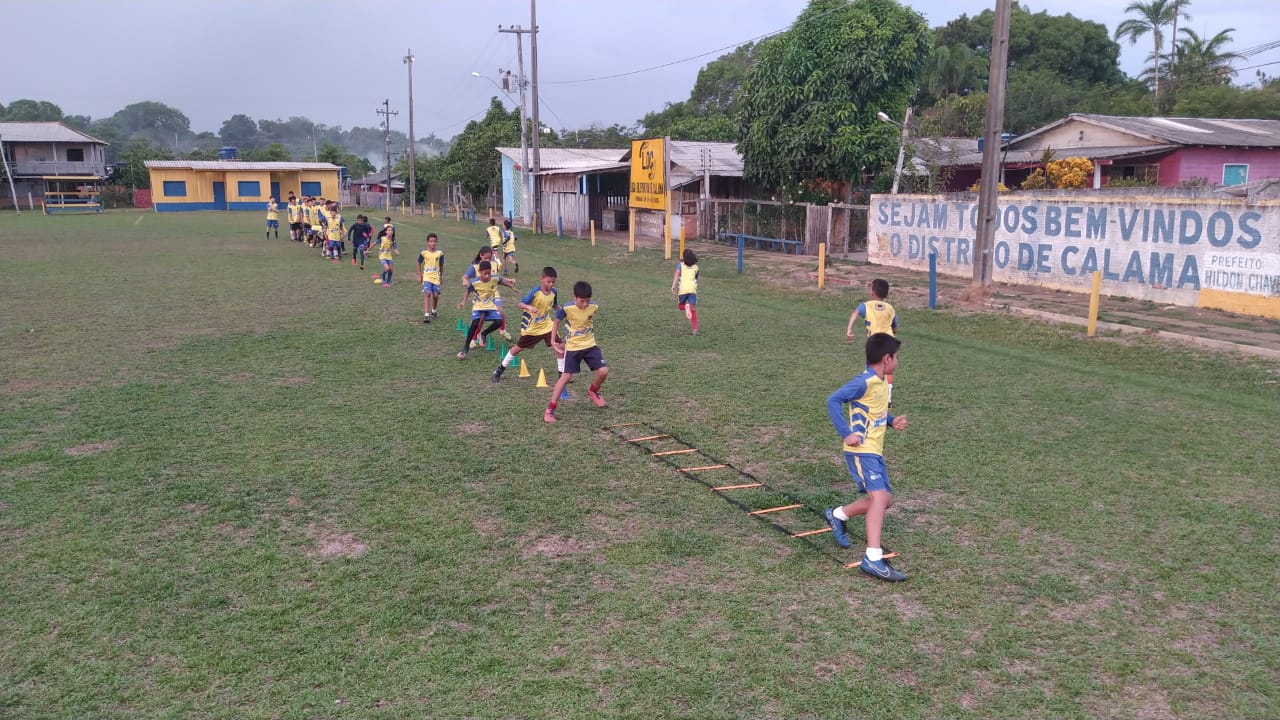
pixel 1152 17
pixel 1179 11
pixel 1199 60
pixel 952 70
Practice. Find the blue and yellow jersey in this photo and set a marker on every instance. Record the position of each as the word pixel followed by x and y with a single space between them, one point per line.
pixel 430 262
pixel 295 212
pixel 318 218
pixel 486 291
pixel 582 329
pixel 688 279
pixel 273 211
pixel 880 317
pixel 508 241
pixel 307 213
pixel 541 322
pixel 495 238
pixel 867 396
pixel 336 231
pixel 386 244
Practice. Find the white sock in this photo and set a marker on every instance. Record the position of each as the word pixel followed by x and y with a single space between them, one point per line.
pixel 875 554
pixel 506 361
pixel 839 513
pixel 560 364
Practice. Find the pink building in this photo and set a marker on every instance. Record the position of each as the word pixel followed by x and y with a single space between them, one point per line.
pixel 1163 151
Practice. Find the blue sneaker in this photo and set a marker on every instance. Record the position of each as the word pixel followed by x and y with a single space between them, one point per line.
pixel 881 570
pixel 837 527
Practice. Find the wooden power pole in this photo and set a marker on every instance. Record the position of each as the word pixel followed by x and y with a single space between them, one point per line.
pixel 988 187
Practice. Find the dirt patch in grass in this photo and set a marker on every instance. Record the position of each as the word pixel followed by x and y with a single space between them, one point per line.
pixel 293 501
pixel 554 547
pixel 21 385
pixel 331 543
pixel 239 533
pixel 196 509
pixel 472 428
pixel 909 608
pixel 286 382
pixel 90 448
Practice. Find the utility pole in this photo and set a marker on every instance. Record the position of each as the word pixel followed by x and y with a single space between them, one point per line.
pixel 13 193
pixel 413 169
pixel 526 187
pixel 537 126
pixel 386 112
pixel 987 187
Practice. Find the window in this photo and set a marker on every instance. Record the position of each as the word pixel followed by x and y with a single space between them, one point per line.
pixel 249 188
pixel 75 154
pixel 175 188
pixel 1235 174
pixel 311 189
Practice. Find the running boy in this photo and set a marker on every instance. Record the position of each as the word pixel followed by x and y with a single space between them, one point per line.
pixel 334 232
pixel 430 270
pixel 686 278
pixel 509 247
pixel 879 317
pixel 484 288
pixel 494 235
pixel 536 322
pixel 579 348
pixel 485 254
pixel 863 429
pixel 386 248
pixel 359 234
pixel 273 217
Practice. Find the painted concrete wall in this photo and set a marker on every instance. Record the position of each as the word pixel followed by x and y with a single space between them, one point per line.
pixel 200 194
pixel 1192 252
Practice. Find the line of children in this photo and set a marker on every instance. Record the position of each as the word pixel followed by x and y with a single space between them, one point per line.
pixel 430 272
pixel 483 288
pixel 686 282
pixel 537 323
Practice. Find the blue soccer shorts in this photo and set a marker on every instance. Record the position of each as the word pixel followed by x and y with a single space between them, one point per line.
pixel 574 359
pixel 430 288
pixel 688 299
pixel 868 472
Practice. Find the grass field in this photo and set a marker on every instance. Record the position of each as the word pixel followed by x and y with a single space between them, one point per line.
pixel 240 482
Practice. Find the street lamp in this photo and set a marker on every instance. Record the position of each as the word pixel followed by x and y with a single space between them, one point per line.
pixel 413 174
pixel 902 143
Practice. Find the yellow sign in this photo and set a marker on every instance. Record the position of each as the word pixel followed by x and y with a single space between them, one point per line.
pixel 648 175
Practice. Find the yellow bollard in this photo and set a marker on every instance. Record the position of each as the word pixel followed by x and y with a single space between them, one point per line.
pixel 631 230
pixel 666 231
pixel 681 239
pixel 433 210
pixel 1094 296
pixel 533 229
pixel 822 265
pixel 593 233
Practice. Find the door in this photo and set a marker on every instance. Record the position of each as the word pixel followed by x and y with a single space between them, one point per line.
pixel 275 189
pixel 219 196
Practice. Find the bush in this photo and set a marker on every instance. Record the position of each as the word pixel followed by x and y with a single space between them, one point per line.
pixel 115 196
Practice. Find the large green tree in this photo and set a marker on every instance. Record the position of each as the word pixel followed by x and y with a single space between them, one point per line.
pixel 809 103
pixel 32 111
pixel 239 130
pixel 473 158
pixel 708 114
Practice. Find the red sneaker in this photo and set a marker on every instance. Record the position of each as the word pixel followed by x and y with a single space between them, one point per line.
pixel 595 397
pixel 549 416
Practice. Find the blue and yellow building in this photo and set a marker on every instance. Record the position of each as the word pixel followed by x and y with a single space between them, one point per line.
pixel 181 185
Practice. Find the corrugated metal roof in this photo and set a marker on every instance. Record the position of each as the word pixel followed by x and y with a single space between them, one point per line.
pixel 722 158
pixel 1219 132
pixel 235 165
pixel 570 159
pixel 44 132
pixel 1017 157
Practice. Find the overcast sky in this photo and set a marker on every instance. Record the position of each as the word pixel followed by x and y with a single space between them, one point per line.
pixel 335 62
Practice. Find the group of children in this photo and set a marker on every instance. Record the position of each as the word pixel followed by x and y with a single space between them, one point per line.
pixel 859 410
pixel 318 223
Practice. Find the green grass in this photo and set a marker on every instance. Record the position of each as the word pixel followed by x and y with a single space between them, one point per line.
pixel 240 482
